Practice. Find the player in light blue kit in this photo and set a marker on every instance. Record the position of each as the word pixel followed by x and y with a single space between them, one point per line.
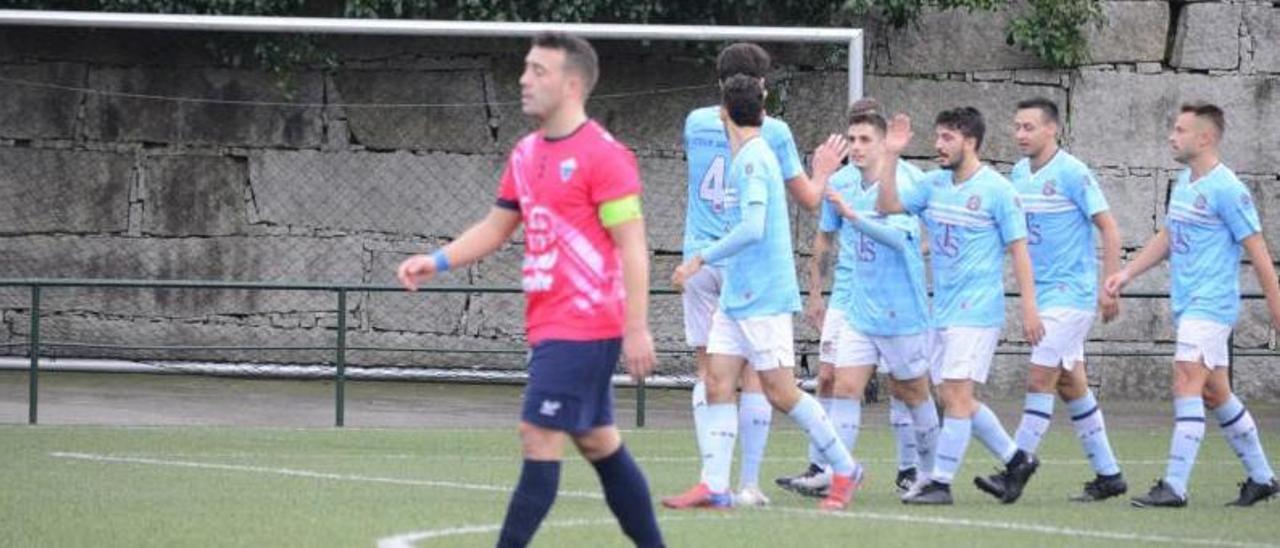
pixel 844 373
pixel 1211 216
pixel 753 324
pixel 973 215
pixel 711 201
pixel 1063 203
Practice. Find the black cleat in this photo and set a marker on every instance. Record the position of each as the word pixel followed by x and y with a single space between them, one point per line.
pixel 1007 485
pixel 813 482
pixel 1161 495
pixel 1102 488
pixel 932 494
pixel 905 479
pixel 1252 493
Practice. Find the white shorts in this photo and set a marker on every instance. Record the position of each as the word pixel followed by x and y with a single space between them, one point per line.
pixel 966 353
pixel 905 357
pixel 701 297
pixel 1203 341
pixel 833 328
pixel 765 341
pixel 1065 330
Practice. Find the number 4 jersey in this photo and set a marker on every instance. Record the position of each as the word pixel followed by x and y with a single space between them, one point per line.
pixel 712 208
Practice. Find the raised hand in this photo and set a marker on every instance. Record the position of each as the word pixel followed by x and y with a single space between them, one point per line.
pixel 828 156
pixel 899 134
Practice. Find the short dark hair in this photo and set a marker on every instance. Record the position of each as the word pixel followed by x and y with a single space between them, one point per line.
pixel 1048 108
pixel 1209 111
pixel 865 105
pixel 967 120
pixel 871 118
pixel 742 96
pixel 578 55
pixel 742 58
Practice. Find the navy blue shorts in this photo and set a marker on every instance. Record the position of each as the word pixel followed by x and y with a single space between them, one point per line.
pixel 570 385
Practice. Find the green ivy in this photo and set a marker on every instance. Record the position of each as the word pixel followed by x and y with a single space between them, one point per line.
pixel 1052 30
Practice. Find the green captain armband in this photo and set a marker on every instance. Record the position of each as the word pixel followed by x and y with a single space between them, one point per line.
pixel 616 212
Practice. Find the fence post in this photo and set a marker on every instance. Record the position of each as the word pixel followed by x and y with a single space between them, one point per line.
pixel 340 377
pixel 640 407
pixel 33 348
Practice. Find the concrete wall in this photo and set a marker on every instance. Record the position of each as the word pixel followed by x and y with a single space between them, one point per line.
pixel 292 181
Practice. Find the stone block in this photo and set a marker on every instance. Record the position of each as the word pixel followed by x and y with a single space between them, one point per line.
pixel 221 106
pixel 437 194
pixel 1134 377
pixel 1207 36
pixel 63 191
pixel 37 112
pixel 194 195
pixel 815 108
pixel 666 194
pixel 1133 199
pixel 283 259
pixel 454 115
pixel 1266 197
pixel 645 105
pixel 423 311
pixel 1254 379
pixel 1134 32
pixel 972 41
pixel 1133 132
pixel 1263 24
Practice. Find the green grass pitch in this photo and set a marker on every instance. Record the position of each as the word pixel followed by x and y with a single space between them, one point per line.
pixel 184 486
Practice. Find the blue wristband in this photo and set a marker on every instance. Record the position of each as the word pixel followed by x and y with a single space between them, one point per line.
pixel 442 261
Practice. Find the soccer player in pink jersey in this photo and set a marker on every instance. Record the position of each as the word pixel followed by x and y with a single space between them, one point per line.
pixel 586 277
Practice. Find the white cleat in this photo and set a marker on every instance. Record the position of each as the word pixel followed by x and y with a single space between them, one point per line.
pixel 750 496
pixel 812 486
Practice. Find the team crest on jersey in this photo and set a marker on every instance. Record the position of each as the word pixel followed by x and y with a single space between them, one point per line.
pixel 750 168
pixel 974 203
pixel 1049 189
pixel 567 168
pixel 1201 202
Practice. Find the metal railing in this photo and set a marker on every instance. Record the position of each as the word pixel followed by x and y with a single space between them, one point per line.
pixel 340 348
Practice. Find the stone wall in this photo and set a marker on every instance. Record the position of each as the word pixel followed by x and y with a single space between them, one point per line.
pixel 327 175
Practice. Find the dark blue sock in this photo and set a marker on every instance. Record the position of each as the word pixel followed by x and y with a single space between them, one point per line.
pixel 530 503
pixel 627 493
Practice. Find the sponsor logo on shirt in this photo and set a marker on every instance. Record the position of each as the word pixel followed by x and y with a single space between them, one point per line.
pixel 567 168
pixel 974 203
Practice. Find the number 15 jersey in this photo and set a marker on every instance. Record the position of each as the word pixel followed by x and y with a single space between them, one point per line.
pixel 712 203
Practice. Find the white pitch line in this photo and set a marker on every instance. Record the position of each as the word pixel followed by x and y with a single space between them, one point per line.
pixel 1022 527
pixel 408 540
pixel 902 518
pixel 306 474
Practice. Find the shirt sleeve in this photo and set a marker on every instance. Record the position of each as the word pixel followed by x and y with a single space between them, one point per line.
pixel 755 188
pixel 1009 217
pixel 829 220
pixel 1234 205
pixel 614 174
pixel 788 155
pixel 915 197
pixel 508 198
pixel 1086 193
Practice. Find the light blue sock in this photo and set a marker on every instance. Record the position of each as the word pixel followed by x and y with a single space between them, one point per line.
pixel 1188 432
pixel 846 415
pixel 754 417
pixel 925 419
pixel 722 428
pixel 815 456
pixel 904 433
pixel 986 426
pixel 1242 433
pixel 1086 416
pixel 699 402
pixel 809 415
pixel 1037 412
pixel 953 440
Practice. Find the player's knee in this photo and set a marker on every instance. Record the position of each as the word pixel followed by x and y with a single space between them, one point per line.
pixel 1214 396
pixel 538 443
pixel 912 392
pixel 848 388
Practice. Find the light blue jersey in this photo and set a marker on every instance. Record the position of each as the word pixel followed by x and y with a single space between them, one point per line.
pixel 760 280
pixel 1060 200
pixel 1207 220
pixel 887 292
pixel 710 197
pixel 970 225
pixel 847 181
